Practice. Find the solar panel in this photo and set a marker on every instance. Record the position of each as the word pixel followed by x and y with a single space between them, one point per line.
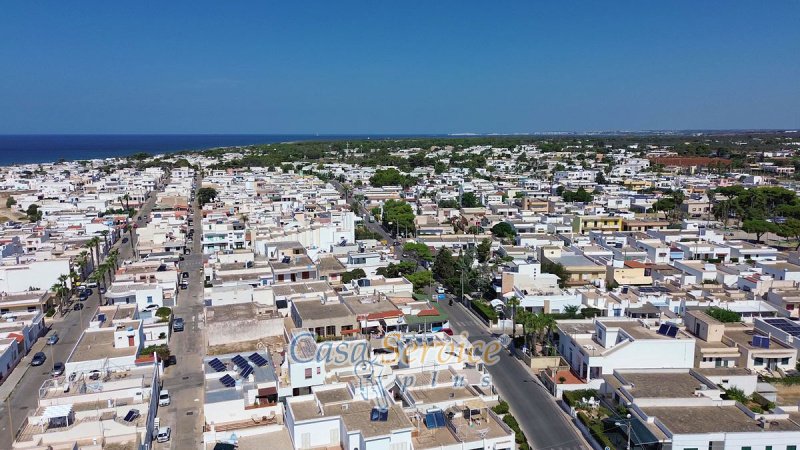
pixel 439 417
pixel 239 361
pixel 672 331
pixel 761 341
pixel 258 360
pixel 663 329
pixel 246 371
pixel 227 381
pixel 217 365
pixel 430 421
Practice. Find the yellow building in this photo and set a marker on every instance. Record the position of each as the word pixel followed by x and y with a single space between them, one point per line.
pixel 584 224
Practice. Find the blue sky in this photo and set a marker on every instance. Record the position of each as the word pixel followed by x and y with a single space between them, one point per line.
pixel 397 67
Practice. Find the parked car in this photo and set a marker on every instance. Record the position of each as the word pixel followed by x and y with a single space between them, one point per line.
pixel 184 285
pixel 78 306
pixel 124 240
pixel 53 339
pixel 38 359
pixel 58 369
pixel 163 398
pixel 171 361
pixel 163 434
pixel 185 275
pixel 177 324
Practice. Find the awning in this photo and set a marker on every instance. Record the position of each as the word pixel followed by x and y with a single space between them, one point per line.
pixel 52 412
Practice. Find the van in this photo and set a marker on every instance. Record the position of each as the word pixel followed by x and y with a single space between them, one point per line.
pixel 163 398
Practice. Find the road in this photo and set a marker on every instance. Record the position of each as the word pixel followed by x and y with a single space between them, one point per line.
pixel 185 381
pixel 25 395
pixel 545 425
pixel 375 227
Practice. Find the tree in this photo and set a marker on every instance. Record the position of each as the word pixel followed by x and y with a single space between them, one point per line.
pixel 504 230
pixel 397 270
pixel 449 203
pixel 205 195
pixel 397 216
pixel 469 200
pixel 439 167
pixel 572 311
pixel 791 230
pixel 600 178
pixel 391 177
pixel 33 213
pixel 355 274
pixel 418 250
pixel 513 303
pixel 724 315
pixel 580 196
pixel 10 201
pixel 483 250
pixel 759 227
pixel 558 270
pixel 420 279
pixel 444 265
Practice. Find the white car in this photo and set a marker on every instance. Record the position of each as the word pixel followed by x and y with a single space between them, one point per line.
pixel 163 398
pixel 163 434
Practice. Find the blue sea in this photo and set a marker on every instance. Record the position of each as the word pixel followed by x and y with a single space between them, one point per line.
pixel 21 149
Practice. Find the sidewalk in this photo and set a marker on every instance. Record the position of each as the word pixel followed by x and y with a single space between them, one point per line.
pixel 22 367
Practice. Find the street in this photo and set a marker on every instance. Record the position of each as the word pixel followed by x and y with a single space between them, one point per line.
pixel 545 425
pixel 25 395
pixel 185 380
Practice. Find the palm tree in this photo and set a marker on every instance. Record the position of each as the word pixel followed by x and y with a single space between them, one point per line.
pixel 104 233
pixel 512 303
pixel 83 262
pixel 90 246
pixel 129 229
pixel 97 277
pixel 571 311
pixel 114 258
pixel 96 244
pixel 127 199
pixel 61 291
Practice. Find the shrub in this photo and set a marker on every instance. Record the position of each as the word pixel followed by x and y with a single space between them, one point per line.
pixel 500 408
pixel 161 350
pixel 572 398
pixel 50 312
pixel 724 315
pixel 485 310
pixel 163 313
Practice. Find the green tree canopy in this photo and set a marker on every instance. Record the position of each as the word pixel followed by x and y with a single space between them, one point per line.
pixel 391 177
pixel 418 250
pixel 355 274
pixel 580 196
pixel 759 227
pixel 504 230
pixel 206 194
pixel 398 216
pixel 724 315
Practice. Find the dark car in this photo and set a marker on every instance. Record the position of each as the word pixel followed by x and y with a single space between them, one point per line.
pixel 177 325
pixel 78 306
pixel 58 369
pixel 171 361
pixel 124 240
pixel 38 359
pixel 185 275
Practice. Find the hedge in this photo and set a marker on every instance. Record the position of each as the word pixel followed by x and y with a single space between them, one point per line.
pixel 596 429
pixel 572 398
pixel 484 310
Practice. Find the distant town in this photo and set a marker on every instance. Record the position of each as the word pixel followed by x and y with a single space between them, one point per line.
pixel 492 292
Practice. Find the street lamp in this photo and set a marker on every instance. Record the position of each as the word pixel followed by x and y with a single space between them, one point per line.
pixel 619 424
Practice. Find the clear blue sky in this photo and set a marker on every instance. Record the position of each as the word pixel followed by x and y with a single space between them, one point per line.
pixel 397 67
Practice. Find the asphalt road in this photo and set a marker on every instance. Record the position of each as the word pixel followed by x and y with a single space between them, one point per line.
pixel 185 380
pixel 545 425
pixel 25 395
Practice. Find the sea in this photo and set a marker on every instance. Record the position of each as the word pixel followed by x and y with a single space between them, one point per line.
pixel 26 149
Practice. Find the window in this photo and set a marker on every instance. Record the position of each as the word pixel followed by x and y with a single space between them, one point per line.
pixel 758 362
pixel 149 299
pixel 785 361
pixel 308 373
pixel 747 448
pixel 769 447
pixel 791 447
